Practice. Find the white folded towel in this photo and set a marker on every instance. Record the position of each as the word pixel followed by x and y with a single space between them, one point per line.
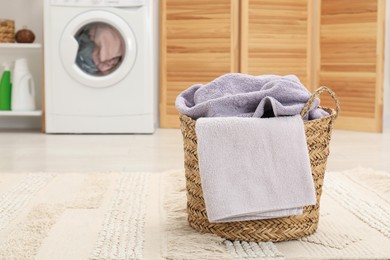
pixel 254 168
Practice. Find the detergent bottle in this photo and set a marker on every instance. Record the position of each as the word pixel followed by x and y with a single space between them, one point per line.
pixel 23 89
pixel 5 89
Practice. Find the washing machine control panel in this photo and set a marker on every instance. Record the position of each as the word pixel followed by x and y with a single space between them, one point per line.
pixel 100 3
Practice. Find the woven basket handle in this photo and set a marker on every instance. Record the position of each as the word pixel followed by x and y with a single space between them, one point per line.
pixel 316 93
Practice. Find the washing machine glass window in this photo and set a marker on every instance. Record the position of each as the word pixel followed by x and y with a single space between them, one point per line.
pixel 101 48
pixel 98 48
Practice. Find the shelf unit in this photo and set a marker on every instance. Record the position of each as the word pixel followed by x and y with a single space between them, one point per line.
pixel 29 14
pixel 24 47
pixel 21 113
pixel 21 45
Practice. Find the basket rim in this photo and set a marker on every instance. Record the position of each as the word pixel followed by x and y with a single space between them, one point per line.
pixel 331 111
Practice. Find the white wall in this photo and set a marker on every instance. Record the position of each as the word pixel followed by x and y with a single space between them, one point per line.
pixel 25 13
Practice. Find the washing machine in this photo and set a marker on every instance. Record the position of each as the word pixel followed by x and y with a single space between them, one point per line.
pixel 100 66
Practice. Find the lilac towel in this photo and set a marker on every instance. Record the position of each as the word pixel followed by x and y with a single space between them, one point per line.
pixel 243 95
pixel 254 168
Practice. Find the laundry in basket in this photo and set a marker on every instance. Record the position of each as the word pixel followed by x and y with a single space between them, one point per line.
pixel 275 229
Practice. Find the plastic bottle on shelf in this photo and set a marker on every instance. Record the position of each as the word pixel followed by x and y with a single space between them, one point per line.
pixel 5 89
pixel 23 90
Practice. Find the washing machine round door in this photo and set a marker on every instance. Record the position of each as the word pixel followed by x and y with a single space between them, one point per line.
pixel 98 49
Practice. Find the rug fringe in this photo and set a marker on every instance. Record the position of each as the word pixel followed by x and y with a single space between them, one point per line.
pixel 183 241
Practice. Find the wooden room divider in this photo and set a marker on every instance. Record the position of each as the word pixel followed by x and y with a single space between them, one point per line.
pixel 337 43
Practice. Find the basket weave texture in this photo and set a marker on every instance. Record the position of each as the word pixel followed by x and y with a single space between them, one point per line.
pixel 318 134
pixel 7 31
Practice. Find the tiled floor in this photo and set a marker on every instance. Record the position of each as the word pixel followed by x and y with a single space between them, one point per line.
pixel 23 151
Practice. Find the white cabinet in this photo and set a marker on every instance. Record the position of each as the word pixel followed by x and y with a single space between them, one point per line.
pixel 30 14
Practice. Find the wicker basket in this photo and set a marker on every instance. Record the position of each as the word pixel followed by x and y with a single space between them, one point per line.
pixel 318 134
pixel 7 31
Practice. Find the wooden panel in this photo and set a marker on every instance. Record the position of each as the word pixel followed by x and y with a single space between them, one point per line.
pixel 349 59
pixel 276 38
pixel 43 92
pixel 199 42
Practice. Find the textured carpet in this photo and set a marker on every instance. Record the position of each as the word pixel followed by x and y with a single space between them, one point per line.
pixel 72 216
pixel 354 224
pixel 142 216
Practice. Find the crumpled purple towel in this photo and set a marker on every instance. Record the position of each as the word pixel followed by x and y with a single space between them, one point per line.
pixel 242 95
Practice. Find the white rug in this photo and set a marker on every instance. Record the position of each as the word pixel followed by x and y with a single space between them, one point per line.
pixel 72 216
pixel 354 224
pixel 142 216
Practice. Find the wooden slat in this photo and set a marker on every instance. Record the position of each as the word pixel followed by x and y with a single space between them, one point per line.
pixel 43 93
pixel 356 123
pixel 199 42
pixel 349 59
pixel 276 38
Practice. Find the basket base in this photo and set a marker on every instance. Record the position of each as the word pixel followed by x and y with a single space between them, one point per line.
pixel 258 232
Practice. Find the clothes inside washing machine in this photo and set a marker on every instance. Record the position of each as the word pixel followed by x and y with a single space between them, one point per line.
pixel 101 49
